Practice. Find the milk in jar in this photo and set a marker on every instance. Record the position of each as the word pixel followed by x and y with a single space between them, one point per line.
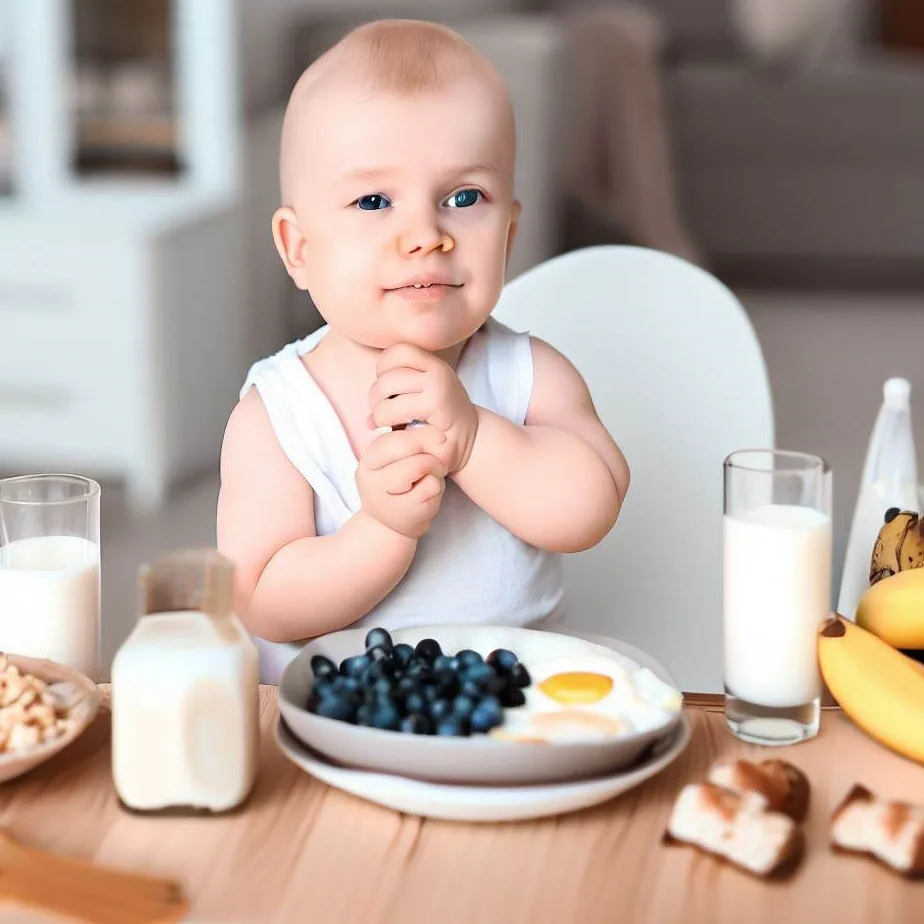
pixel 185 692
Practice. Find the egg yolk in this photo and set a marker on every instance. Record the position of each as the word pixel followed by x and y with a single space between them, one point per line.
pixel 577 687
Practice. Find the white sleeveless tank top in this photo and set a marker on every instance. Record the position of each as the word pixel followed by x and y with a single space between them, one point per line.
pixel 468 569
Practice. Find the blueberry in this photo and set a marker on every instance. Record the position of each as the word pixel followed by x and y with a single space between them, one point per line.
pixel 453 727
pixel 408 685
pixel 419 669
pixel 447 680
pixel 502 660
pixel 383 688
pixel 477 672
pixel 322 688
pixel 471 689
pixel 355 666
pixel 323 667
pixel 512 697
pixel 519 676
pixel 440 709
pixel 462 707
pixel 402 654
pixel 445 662
pixel 379 638
pixel 495 685
pixel 336 707
pixel 416 703
pixel 415 725
pixel 379 669
pixel 349 685
pixel 432 692
pixel 385 715
pixel 487 715
pixel 428 649
pixel 468 658
pixel 364 715
pixel 378 653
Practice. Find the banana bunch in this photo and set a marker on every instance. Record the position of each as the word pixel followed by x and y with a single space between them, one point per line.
pixel 881 689
pixel 899 545
pixel 893 606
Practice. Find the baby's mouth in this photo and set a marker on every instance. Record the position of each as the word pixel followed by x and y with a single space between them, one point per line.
pixel 425 290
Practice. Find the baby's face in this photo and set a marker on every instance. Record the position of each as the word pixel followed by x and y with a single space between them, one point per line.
pixel 407 209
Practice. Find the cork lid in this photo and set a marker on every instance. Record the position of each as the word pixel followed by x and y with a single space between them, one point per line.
pixel 189 579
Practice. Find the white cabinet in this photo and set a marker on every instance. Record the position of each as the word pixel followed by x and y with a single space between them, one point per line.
pixel 123 331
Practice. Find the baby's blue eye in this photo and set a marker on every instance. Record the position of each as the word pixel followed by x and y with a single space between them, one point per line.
pixel 463 199
pixel 372 203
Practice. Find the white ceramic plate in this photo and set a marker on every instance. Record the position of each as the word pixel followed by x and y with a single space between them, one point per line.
pixel 476 760
pixel 484 803
pixel 80 690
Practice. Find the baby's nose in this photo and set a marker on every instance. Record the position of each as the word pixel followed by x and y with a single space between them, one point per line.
pixel 424 239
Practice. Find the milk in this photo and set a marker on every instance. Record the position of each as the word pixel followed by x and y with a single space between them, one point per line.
pixel 777 586
pixel 49 600
pixel 185 710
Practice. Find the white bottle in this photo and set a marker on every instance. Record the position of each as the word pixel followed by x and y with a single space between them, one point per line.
pixel 185 692
pixel 890 479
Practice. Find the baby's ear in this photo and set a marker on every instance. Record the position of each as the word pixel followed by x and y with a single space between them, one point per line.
pixel 290 245
pixel 512 229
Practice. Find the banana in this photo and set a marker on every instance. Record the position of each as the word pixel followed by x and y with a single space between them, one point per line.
pixel 899 545
pixel 893 609
pixel 879 688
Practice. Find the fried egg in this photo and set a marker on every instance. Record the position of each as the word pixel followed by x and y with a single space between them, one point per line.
pixel 588 696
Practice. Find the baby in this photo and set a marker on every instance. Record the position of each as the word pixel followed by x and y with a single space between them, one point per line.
pixel 396 170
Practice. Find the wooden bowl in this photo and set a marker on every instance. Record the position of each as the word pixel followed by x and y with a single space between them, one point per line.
pixel 83 693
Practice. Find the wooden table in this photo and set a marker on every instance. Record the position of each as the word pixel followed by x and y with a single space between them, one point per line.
pixel 302 852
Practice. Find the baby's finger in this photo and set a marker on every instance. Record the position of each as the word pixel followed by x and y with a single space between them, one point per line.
pixel 401 476
pixel 401 444
pixel 428 488
pixel 401 410
pixel 403 354
pixel 401 381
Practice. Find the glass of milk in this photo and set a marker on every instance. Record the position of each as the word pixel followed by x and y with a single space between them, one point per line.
pixel 776 592
pixel 50 569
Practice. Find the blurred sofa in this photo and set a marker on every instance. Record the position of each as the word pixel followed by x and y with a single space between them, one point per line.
pixel 799 174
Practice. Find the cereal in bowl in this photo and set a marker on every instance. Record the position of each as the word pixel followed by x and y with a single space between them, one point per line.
pixel 29 713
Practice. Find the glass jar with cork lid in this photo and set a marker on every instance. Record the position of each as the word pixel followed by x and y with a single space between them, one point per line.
pixel 185 692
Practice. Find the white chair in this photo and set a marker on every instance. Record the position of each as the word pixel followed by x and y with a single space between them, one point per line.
pixel 678 378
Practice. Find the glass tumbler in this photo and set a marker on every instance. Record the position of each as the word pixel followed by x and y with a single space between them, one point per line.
pixel 776 592
pixel 50 569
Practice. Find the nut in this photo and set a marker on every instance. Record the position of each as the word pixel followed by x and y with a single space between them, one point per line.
pixel 28 715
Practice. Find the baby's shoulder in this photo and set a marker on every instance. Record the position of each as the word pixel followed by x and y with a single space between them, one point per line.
pixel 248 424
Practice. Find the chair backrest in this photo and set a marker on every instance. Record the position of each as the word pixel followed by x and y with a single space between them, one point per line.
pixel 679 380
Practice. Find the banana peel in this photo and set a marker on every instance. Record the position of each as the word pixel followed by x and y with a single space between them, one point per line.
pixel 899 545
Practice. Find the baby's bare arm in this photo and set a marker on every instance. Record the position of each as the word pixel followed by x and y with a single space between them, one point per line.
pixel 290 583
pixel 559 481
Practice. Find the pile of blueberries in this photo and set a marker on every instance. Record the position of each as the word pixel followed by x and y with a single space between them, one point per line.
pixel 418 690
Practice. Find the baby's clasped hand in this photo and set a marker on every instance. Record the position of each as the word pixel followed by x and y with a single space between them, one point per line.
pixel 412 384
pixel 401 479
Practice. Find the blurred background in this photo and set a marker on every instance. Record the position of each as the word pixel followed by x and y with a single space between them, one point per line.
pixel 777 143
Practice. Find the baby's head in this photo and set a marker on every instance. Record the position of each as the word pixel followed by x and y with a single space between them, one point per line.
pixel 396 171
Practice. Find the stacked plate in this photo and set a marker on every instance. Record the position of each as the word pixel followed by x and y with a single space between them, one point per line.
pixel 484 777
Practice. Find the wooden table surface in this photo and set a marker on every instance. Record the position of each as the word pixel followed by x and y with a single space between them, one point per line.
pixel 303 852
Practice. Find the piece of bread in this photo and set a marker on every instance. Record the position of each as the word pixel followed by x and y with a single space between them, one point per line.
pixel 890 832
pixel 781 786
pixel 736 827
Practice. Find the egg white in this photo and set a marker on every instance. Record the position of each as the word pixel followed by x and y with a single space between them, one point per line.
pixel 637 701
